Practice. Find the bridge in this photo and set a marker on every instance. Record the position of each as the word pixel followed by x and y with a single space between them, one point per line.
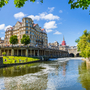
pixel 73 52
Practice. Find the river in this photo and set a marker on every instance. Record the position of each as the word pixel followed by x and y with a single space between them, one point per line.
pixel 55 74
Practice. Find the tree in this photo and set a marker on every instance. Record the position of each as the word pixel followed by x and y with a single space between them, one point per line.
pixel 77 40
pixel 18 3
pixel 25 40
pixel 84 44
pixel 84 4
pixel 84 75
pixel 13 40
pixel 3 53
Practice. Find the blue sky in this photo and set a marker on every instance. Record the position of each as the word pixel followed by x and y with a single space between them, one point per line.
pixel 53 15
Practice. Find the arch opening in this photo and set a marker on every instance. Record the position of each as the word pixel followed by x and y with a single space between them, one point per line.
pixel 71 55
pixel 77 55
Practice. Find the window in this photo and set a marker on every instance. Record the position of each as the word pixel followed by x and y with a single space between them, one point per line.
pixel 30 25
pixel 26 31
pixel 26 28
pixel 26 24
pixel 26 21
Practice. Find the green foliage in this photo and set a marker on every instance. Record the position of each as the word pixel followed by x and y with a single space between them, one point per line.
pixel 25 40
pixel 84 44
pixel 84 4
pixel 77 40
pixel 4 53
pixel 18 3
pixel 3 2
pixel 18 59
pixel 13 39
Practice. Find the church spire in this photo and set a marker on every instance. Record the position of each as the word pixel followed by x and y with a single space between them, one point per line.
pixel 63 38
pixel 63 42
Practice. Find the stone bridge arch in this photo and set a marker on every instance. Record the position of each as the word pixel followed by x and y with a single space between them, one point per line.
pixel 71 55
pixel 73 51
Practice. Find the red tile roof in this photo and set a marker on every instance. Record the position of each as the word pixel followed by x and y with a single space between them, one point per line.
pixel 42 29
pixel 10 28
pixel 34 25
pixel 20 22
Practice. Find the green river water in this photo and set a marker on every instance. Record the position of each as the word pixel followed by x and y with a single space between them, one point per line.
pixel 55 74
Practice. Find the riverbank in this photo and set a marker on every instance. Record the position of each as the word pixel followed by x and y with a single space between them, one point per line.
pixel 7 61
pixel 69 58
pixel 8 65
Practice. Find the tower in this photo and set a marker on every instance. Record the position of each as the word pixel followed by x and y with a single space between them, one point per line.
pixel 63 42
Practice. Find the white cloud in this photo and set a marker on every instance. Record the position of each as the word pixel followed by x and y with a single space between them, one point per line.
pixel 50 25
pixel 51 9
pixel 2 26
pixel 44 16
pixel 7 27
pixel 57 32
pixel 34 17
pixel 19 15
pixel 2 38
pixel 60 11
pixel 48 31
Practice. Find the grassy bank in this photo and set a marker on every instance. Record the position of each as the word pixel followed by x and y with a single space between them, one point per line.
pixel 17 59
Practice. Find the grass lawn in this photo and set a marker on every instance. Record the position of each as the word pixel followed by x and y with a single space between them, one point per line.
pixel 17 59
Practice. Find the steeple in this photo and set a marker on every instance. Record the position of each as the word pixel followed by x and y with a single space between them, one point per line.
pixel 63 42
pixel 63 38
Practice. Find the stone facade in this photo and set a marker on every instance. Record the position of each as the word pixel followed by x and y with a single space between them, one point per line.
pixel 1 41
pixel 65 48
pixel 54 45
pixel 38 36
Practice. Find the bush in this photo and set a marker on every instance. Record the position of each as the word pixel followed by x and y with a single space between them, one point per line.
pixel 4 53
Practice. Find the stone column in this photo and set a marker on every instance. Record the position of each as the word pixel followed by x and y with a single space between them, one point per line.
pixel 12 52
pixel 30 52
pixel 38 53
pixel 26 52
pixel 7 52
pixel 49 53
pixel 17 52
pixel 58 54
pixel 0 53
pixel 44 52
pixel 34 53
pixel 21 52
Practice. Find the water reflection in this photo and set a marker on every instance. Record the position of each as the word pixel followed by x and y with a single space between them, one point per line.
pixel 59 74
pixel 20 70
pixel 84 75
